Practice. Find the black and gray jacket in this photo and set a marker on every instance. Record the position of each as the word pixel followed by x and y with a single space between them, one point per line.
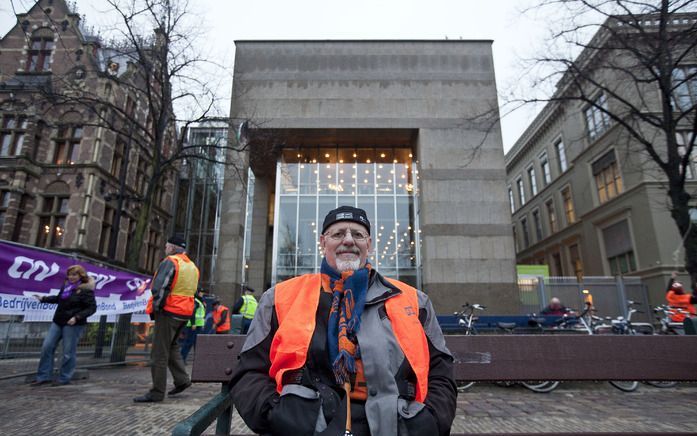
pixel 80 304
pixel 313 404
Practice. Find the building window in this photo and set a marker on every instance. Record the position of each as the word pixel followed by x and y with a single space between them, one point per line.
pixel 556 263
pixel 521 191
pixel 561 155
pixel 510 199
pixel 546 174
pixel 312 181
pixel 568 205
pixel 608 180
pixel 142 175
pixel 4 203
pixel 105 235
pixel 684 139
pixel 537 222
pixel 515 240
pixel 52 221
pixel 132 222
pixel 67 144
pixel 597 118
pixel 117 159
pixel 12 133
pixel 552 216
pixel 619 249
pixel 152 249
pixel 526 233
pixel 685 85
pixel 576 263
pixel 533 181
pixel 40 54
pixel 19 218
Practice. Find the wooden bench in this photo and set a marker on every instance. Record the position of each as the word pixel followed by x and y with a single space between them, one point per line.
pixel 486 358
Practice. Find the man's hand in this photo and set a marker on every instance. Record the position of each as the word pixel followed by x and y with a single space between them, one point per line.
pixel 674 274
pixel 38 297
pixel 72 321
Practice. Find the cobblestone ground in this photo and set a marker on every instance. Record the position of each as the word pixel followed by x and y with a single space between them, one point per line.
pixel 103 405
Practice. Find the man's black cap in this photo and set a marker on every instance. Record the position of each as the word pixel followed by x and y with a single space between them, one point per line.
pixel 177 240
pixel 346 213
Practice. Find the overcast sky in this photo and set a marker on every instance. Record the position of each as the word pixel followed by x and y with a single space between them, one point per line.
pixel 515 35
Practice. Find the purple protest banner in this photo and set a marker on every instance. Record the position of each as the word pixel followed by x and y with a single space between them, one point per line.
pixel 26 271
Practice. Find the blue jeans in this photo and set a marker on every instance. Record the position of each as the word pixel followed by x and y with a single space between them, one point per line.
pixel 188 342
pixel 70 334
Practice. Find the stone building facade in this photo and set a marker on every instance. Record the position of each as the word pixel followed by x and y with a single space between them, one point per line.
pixel 394 127
pixel 67 180
pixel 586 199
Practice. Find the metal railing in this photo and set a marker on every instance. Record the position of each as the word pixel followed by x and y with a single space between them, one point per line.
pixel 610 294
pixel 20 344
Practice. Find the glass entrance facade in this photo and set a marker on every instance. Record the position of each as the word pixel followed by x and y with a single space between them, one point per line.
pixel 312 181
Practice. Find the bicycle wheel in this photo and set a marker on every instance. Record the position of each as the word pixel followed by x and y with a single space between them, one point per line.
pixel 625 386
pixel 462 386
pixel 541 387
pixel 662 384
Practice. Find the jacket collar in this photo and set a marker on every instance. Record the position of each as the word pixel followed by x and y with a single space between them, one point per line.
pixel 380 289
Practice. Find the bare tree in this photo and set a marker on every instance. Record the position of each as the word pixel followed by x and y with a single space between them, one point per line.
pixel 154 83
pixel 637 75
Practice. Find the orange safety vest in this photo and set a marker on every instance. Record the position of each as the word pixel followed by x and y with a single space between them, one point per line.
pixel 681 301
pixel 296 302
pixel 217 315
pixel 180 300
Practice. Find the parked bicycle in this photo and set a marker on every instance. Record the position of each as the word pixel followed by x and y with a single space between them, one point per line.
pixel 466 319
pixel 591 324
pixel 665 314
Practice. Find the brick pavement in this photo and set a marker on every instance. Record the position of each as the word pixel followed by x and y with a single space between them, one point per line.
pixel 102 405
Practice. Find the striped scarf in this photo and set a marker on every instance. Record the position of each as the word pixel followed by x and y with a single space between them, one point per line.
pixel 348 291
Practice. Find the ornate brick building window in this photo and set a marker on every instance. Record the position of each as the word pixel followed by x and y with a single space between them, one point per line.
pixel 67 143
pixel 40 48
pixel 13 129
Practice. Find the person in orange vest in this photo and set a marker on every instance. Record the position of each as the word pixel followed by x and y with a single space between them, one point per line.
pixel 221 318
pixel 171 305
pixel 345 350
pixel 678 299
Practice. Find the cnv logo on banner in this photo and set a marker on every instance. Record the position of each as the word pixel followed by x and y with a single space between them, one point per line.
pixel 26 271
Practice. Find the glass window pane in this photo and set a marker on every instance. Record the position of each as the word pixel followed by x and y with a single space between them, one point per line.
pixel 287 227
pixel 384 178
pixel 308 178
pixel 308 232
pixel 289 178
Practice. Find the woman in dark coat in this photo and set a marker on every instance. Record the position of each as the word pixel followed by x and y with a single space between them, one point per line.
pixel 75 304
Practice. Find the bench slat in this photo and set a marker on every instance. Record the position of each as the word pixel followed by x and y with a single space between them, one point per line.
pixel 582 357
pixel 215 358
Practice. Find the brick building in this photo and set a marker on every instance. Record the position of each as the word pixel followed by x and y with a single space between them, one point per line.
pixel 74 163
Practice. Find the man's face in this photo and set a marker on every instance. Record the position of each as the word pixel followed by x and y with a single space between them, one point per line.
pixel 170 249
pixel 346 245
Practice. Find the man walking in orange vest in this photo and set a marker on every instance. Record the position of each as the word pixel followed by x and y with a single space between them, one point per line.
pixel 221 318
pixel 345 350
pixel 171 306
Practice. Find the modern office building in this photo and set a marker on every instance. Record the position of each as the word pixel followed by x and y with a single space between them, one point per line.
pixel 587 200
pixel 199 195
pixel 393 127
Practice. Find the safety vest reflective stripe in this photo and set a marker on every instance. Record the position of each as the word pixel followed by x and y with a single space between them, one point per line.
pixel 180 300
pixel 296 302
pixel 249 306
pixel 217 316
pixel 403 312
pixel 680 301
pixel 199 314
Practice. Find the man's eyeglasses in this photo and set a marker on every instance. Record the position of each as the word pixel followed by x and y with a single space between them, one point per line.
pixel 356 235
